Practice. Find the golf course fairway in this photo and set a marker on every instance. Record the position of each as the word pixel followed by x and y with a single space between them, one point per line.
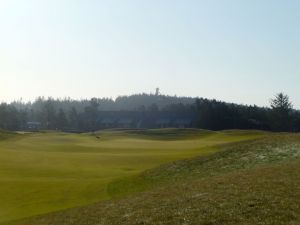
pixel 50 171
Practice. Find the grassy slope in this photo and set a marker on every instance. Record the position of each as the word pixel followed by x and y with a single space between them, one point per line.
pixel 5 135
pixel 46 172
pixel 248 183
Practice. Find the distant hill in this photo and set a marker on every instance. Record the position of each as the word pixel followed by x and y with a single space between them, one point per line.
pixel 126 102
pixel 146 111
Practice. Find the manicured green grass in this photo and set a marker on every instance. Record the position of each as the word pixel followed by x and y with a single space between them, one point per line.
pixel 255 182
pixel 51 171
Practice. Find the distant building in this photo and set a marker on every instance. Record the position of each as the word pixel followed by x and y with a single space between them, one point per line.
pixel 183 123
pixel 126 123
pixel 145 120
pixel 164 123
pixel 33 126
pixel 108 123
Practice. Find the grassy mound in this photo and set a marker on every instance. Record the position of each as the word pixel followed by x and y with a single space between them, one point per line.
pixel 172 134
pixel 255 182
pixel 50 171
pixel 154 134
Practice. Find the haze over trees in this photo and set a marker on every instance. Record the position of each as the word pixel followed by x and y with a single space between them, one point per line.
pixel 84 115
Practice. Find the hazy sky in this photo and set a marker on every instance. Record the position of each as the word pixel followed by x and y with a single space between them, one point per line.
pixel 235 50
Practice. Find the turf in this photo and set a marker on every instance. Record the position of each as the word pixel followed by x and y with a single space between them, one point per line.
pixel 51 171
pixel 254 182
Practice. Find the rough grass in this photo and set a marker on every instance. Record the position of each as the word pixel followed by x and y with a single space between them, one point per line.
pixel 50 171
pixel 4 135
pixel 255 182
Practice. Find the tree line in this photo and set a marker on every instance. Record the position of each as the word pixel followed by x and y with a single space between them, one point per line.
pixel 82 115
pixel 217 115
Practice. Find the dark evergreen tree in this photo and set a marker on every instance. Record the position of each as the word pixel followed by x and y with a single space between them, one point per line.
pixel 62 121
pixel 73 119
pixel 281 117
